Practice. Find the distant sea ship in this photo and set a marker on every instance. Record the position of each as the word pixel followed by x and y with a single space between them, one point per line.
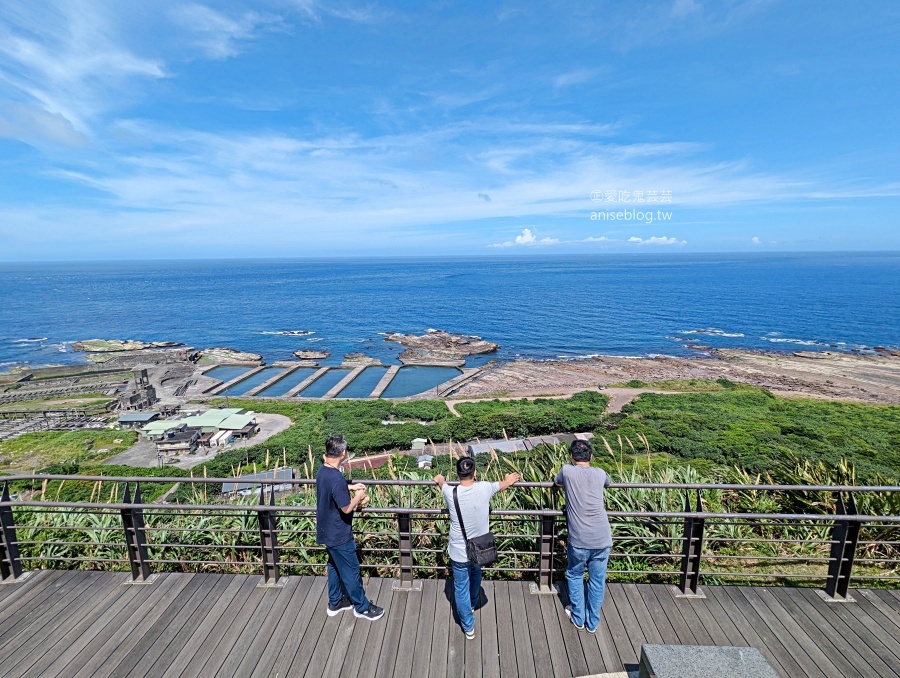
pixel 544 307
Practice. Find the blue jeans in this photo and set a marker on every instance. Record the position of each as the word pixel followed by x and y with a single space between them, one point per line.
pixel 466 592
pixel 344 578
pixel 595 561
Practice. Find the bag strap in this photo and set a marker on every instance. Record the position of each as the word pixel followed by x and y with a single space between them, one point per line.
pixel 459 514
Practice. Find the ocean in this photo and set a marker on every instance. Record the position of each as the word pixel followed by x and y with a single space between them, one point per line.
pixel 542 307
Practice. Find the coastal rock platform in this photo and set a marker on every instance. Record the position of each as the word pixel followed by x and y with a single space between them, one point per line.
pixel 437 347
pixel 832 375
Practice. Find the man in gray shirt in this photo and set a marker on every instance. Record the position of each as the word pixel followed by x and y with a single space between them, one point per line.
pixel 474 504
pixel 590 538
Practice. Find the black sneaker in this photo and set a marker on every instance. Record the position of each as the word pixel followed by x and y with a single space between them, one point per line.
pixel 345 604
pixel 374 612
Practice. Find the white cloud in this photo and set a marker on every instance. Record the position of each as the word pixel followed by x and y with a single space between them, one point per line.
pixel 214 33
pixel 756 240
pixel 601 238
pixel 656 240
pixel 527 237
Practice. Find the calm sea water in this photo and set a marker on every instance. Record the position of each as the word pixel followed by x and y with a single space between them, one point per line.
pixel 540 307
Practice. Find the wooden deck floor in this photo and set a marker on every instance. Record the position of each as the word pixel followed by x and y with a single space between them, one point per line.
pixel 63 623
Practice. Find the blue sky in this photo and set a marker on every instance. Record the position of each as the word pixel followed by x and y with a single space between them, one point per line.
pixel 302 128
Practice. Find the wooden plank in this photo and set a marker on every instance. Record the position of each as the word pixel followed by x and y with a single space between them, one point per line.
pixel 874 637
pixel 506 644
pixel 225 588
pixel 741 607
pixel 355 652
pixel 565 635
pixel 298 622
pixel 63 653
pixel 267 641
pixel 18 611
pixel 605 644
pixel 236 651
pixel 797 627
pixel 36 580
pixel 633 632
pixel 726 611
pixel 422 655
pixel 472 648
pixel 696 613
pixel 679 609
pixel 192 657
pixel 671 627
pixel 47 642
pixel 842 652
pixel 324 643
pixel 108 653
pixel 799 652
pixel 521 633
pixel 145 654
pixel 456 651
pixel 877 624
pixel 440 635
pixel 490 647
pixel 642 613
pixel 49 612
pixel 375 645
pixel 885 605
pixel 303 651
pixel 410 634
pixel 688 610
pixel 621 641
pixel 543 663
pixel 551 611
pixel 145 627
pixel 102 644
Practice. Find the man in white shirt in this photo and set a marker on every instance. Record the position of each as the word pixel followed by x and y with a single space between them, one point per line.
pixel 474 504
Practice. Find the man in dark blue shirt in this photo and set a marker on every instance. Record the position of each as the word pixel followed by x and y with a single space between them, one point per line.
pixel 334 529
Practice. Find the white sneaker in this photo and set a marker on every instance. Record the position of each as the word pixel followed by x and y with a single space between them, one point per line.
pixel 569 615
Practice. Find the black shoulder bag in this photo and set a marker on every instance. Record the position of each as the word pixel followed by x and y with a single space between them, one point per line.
pixel 480 550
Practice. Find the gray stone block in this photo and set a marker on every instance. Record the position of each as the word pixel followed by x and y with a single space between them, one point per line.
pixel 701 661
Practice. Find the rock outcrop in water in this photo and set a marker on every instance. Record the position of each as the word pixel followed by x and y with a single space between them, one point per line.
pixel 117 345
pixel 311 355
pixel 438 347
pixel 228 355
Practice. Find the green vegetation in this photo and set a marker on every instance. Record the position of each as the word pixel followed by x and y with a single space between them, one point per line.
pixel 89 490
pixel 756 432
pixel 686 385
pixel 45 448
pixel 360 422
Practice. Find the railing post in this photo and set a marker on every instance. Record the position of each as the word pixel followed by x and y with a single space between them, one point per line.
pixel 404 534
pixel 546 540
pixel 136 537
pixel 844 538
pixel 689 583
pixel 268 538
pixel 10 565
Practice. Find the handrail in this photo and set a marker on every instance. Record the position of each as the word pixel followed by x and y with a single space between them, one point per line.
pixel 419 550
pixel 424 483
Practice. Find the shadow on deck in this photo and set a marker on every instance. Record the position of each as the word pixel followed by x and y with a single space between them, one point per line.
pixel 72 623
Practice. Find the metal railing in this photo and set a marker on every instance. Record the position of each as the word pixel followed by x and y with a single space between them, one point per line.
pixel 255 533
